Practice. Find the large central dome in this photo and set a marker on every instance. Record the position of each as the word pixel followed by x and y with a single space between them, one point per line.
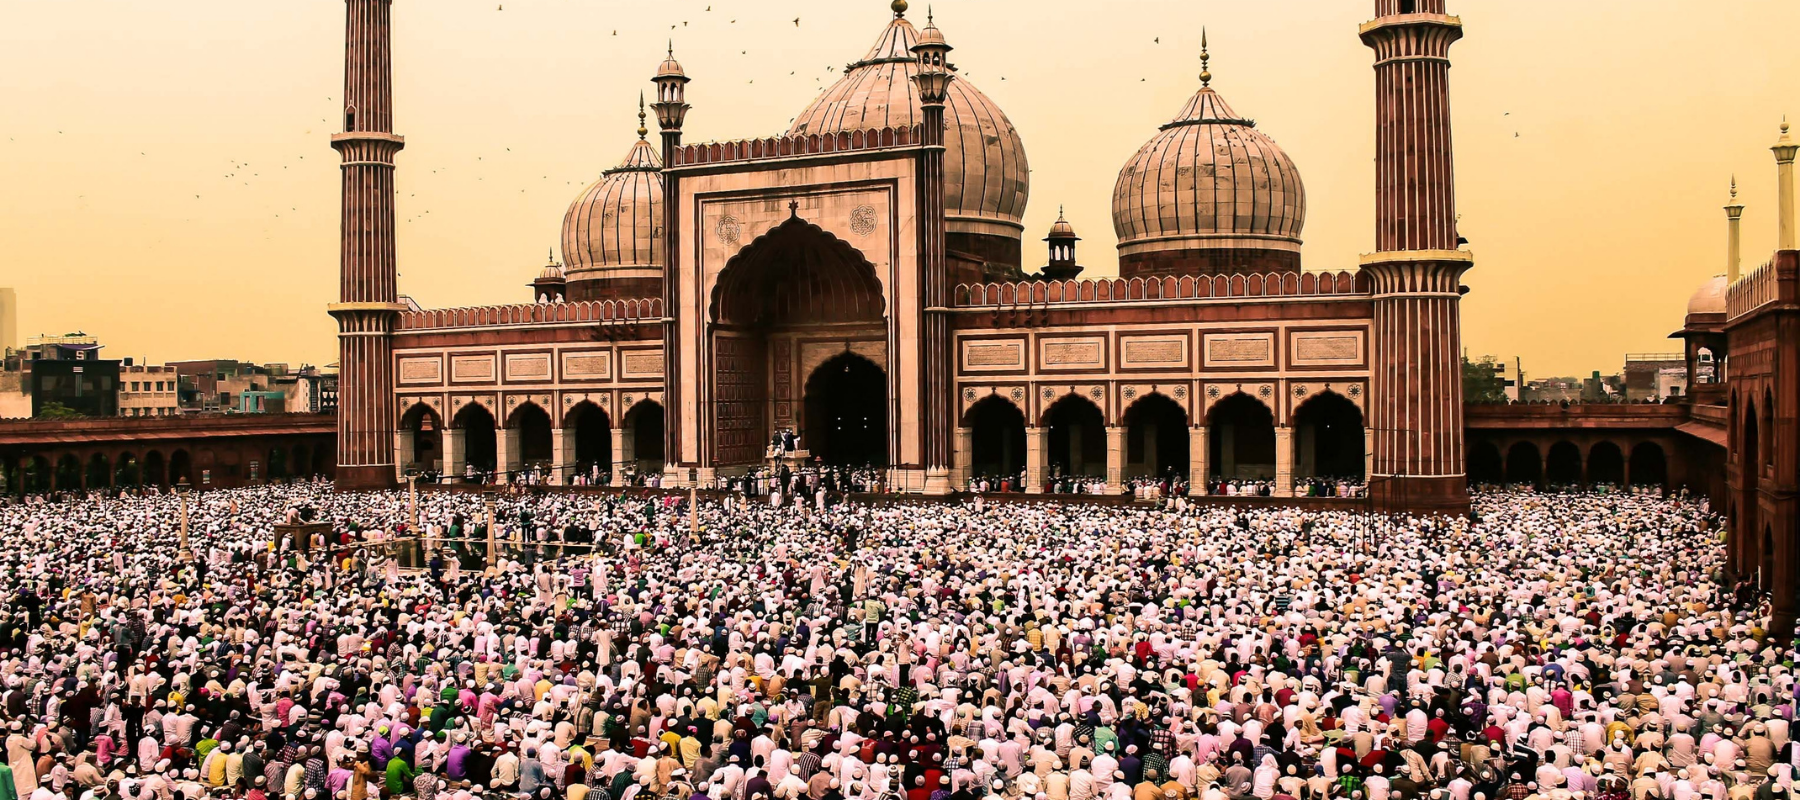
pixel 986 176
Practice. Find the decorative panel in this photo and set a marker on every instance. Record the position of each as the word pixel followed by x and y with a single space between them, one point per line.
pixel 990 355
pixel 1152 352
pixel 472 368
pixel 739 396
pixel 641 364
pixel 1083 353
pixel 528 366
pixel 1240 350
pixel 812 354
pixel 1327 348
pixel 422 369
pixel 587 365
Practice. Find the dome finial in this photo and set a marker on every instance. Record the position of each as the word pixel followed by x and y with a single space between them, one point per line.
pixel 1205 74
pixel 1734 187
pixel 642 131
pixel 899 7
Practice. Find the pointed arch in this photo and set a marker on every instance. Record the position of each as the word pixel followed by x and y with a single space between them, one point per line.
pixel 797 272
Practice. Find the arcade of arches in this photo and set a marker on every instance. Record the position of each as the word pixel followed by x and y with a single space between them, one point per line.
pixel 586 444
pixel 1153 438
pixel 1581 461
pixel 126 459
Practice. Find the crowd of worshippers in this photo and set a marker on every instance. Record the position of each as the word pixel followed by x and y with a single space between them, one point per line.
pixel 1542 647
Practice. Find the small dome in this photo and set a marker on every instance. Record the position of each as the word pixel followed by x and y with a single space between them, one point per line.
pixel 1709 298
pixel 616 224
pixel 1209 180
pixel 1061 229
pixel 551 272
pixel 670 68
pixel 932 36
pixel 987 178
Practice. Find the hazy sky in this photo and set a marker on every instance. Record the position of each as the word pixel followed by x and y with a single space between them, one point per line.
pixel 166 181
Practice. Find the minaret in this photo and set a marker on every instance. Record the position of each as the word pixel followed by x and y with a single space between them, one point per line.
pixel 1415 400
pixel 367 304
pixel 551 284
pixel 1734 241
pixel 1062 265
pixel 1784 149
pixel 939 391
pixel 671 110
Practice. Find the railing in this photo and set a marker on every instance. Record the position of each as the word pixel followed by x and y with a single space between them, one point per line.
pixel 782 146
pixel 1754 290
pixel 590 311
pixel 1109 290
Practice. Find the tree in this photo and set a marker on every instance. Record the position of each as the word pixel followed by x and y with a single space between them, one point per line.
pixel 1484 381
pixel 55 410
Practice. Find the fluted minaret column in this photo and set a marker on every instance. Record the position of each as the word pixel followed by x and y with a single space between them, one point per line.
pixel 1734 237
pixel 671 110
pixel 1415 397
pixel 367 304
pixel 937 383
pixel 1784 188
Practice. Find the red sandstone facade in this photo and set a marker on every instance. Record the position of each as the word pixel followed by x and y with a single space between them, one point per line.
pixel 858 281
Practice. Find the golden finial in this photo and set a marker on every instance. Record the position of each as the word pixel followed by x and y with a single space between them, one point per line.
pixel 1205 74
pixel 1734 187
pixel 642 131
pixel 899 7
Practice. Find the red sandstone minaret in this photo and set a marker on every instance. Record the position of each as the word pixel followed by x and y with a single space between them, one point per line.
pixel 939 393
pixel 1416 399
pixel 367 305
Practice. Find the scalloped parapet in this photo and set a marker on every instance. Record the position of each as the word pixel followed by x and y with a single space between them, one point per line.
pixel 591 311
pixel 1191 287
pixel 788 146
pixel 1755 289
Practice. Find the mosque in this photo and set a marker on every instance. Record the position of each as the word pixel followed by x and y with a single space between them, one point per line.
pixel 863 281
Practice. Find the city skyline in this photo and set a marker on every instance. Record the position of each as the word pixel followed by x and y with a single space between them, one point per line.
pixel 1593 217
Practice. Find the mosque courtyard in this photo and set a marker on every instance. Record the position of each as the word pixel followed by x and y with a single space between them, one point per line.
pixel 625 647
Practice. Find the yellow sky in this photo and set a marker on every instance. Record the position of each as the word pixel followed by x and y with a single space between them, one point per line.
pixel 166 181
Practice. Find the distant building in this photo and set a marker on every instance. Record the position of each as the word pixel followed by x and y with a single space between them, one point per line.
pixel 1653 377
pixel 148 391
pixel 68 371
pixel 9 320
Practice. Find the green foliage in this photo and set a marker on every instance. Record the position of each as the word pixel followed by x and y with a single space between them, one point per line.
pixel 1483 381
pixel 55 410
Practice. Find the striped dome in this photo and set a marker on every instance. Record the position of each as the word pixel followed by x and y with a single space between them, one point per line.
pixel 1209 180
pixel 986 176
pixel 615 227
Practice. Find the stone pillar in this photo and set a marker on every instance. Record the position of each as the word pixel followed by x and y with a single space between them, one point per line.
pixel 456 455
pixel 621 456
pixel 506 453
pixel 403 451
pixel 1197 458
pixel 1784 149
pixel 562 457
pixel 1037 447
pixel 1734 238
pixel 1369 453
pixel 1284 461
pixel 965 455
pixel 1115 459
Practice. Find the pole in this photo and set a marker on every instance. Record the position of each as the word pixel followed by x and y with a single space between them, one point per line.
pixel 490 530
pixel 694 509
pixel 185 553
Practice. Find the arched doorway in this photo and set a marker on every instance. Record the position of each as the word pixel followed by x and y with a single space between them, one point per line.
pixel 996 440
pixel 68 473
pixel 1562 465
pixel 1486 468
pixel 1328 438
pixel 427 431
pixel 38 475
pixel 1156 438
pixel 846 413
pixel 155 470
pixel 127 471
pixel 537 448
pixel 1241 439
pixel 1649 466
pixel 592 432
pixel 644 432
pixel 477 426
pixel 1523 464
pixel 796 278
pixel 278 463
pixel 1606 465
pixel 1077 433
pixel 99 472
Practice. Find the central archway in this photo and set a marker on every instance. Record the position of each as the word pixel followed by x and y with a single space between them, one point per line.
pixel 1329 438
pixel 1077 438
pixel 1241 439
pixel 1156 438
pixel 996 439
pixel 793 281
pixel 846 413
